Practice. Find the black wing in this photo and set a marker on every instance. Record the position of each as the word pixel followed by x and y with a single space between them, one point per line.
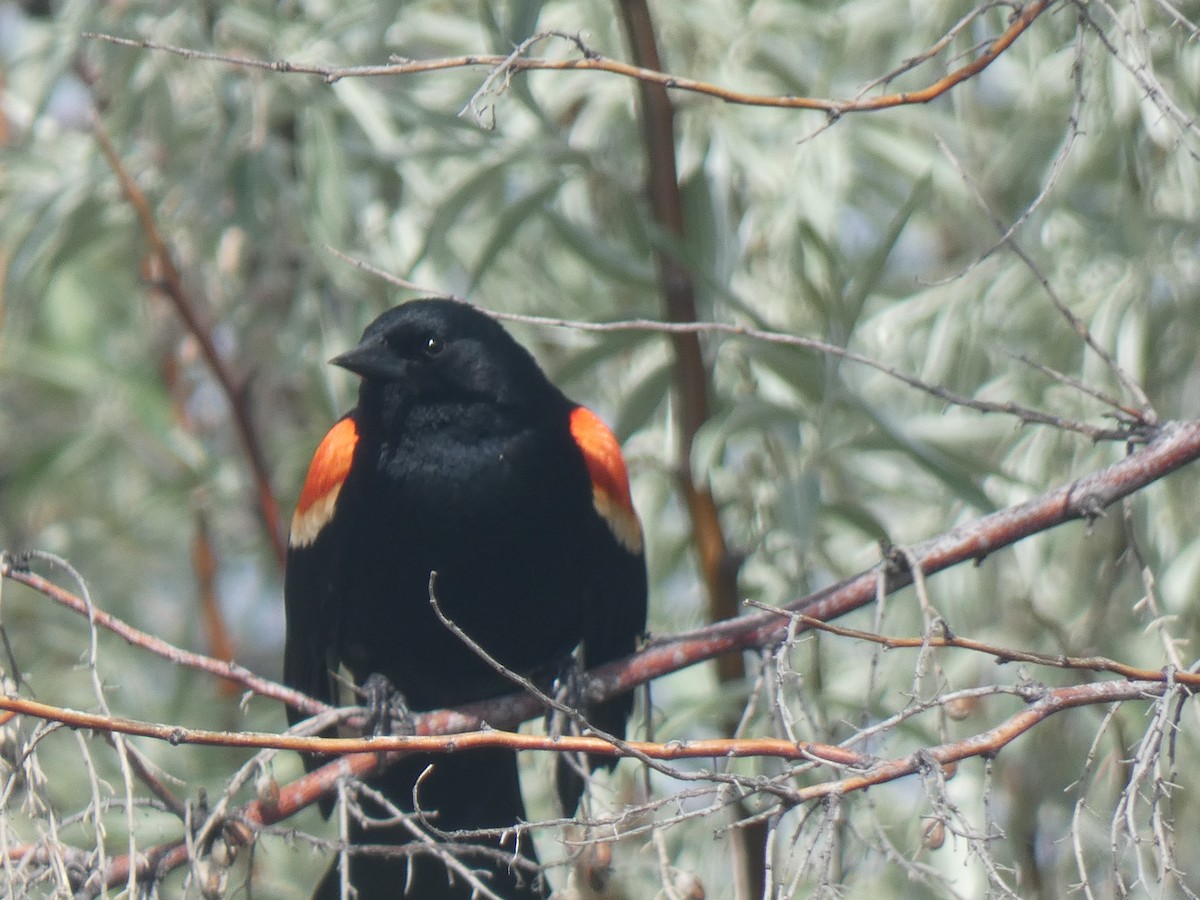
pixel 315 549
pixel 616 614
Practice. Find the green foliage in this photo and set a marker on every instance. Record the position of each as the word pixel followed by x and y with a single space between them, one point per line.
pixel 878 232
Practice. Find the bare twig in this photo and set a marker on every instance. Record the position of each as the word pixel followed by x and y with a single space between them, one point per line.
pixel 1132 388
pixel 1002 654
pixel 1128 430
pixel 118 740
pixel 594 62
pixel 1044 704
pixel 15 569
pixel 991 741
pixel 1139 62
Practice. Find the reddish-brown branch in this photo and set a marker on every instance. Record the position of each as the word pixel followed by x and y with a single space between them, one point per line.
pixel 204 557
pixel 170 283
pixel 1024 17
pixel 716 748
pixel 1175 444
pixel 991 741
pixel 718 568
pixel 595 62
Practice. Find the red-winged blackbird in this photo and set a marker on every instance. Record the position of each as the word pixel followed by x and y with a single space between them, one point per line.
pixel 461 458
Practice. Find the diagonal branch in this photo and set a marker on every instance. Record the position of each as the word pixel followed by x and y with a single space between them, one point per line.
pixel 1174 445
pixel 15 568
pixel 1046 703
pixel 171 285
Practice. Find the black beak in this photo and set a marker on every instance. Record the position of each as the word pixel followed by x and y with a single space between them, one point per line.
pixel 373 359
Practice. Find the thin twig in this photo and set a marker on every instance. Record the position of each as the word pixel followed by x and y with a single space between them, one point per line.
pixel 1002 654
pixel 15 569
pixel 595 62
pixel 1147 413
pixel 987 743
pixel 1023 413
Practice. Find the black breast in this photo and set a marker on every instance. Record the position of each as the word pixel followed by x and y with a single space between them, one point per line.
pixel 492 507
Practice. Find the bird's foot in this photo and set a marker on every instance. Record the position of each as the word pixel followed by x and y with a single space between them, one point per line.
pixel 387 710
pixel 571 688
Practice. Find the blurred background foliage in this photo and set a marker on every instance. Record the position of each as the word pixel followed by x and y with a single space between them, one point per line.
pixel 879 232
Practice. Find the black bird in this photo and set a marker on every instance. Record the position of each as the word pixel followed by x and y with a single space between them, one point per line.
pixel 461 458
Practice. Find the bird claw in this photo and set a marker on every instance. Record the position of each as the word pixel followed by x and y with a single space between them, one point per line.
pixel 570 687
pixel 387 709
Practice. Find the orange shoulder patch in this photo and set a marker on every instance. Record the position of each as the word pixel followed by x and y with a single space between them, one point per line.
pixel 610 479
pixel 326 473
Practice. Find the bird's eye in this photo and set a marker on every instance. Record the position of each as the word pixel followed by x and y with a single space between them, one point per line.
pixel 434 346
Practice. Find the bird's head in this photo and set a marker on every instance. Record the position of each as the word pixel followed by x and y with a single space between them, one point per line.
pixel 444 350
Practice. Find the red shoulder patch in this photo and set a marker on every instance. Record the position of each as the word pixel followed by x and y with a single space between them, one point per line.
pixel 610 479
pixel 326 473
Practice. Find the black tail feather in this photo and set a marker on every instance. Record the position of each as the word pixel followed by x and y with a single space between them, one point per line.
pixel 472 790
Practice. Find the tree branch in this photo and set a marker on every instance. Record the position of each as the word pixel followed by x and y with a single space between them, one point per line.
pixel 1175 444
pixel 14 568
pixel 1130 420
pixel 718 567
pixel 170 283
pixel 595 62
